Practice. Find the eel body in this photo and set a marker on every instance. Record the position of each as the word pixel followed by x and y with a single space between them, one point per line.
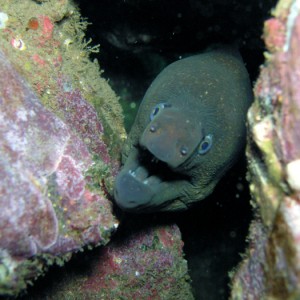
pixel 189 130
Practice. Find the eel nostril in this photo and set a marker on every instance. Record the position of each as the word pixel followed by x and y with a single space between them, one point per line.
pixel 184 150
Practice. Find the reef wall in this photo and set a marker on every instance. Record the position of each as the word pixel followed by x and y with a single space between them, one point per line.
pixel 54 149
pixel 141 262
pixel 271 267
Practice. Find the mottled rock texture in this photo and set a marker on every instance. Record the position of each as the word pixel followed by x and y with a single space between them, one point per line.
pixel 271 267
pixel 55 164
pixel 140 263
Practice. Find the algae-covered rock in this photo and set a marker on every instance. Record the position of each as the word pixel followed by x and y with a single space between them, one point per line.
pixel 271 267
pixel 144 263
pixel 58 117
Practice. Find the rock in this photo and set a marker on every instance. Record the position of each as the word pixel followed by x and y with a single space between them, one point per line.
pixel 144 263
pixel 56 167
pixel 270 269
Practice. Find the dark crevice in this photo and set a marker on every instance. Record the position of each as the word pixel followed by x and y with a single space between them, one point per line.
pixel 138 39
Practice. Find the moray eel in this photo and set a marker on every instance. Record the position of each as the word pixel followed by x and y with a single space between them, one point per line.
pixel 189 130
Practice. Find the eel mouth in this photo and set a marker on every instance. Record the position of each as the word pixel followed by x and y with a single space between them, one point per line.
pixel 142 178
pixel 156 167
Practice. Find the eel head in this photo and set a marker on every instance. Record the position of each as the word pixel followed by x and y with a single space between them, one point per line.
pixel 157 168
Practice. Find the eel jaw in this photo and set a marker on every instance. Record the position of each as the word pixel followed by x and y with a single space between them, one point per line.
pixel 146 184
pixel 135 189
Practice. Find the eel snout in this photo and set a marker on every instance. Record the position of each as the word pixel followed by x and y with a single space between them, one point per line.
pixel 166 143
pixel 172 137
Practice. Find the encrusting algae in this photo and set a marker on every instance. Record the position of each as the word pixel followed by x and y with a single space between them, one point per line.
pixel 58 118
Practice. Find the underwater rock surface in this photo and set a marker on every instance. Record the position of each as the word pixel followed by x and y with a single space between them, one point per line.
pixel 271 267
pixel 144 264
pixel 140 263
pixel 55 163
pixel 45 205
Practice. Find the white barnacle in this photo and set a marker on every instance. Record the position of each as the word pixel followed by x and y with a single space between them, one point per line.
pixel 293 174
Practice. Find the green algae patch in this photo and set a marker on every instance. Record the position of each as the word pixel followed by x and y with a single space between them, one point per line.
pixel 97 174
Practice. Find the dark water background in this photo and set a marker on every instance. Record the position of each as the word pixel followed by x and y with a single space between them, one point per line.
pixel 138 38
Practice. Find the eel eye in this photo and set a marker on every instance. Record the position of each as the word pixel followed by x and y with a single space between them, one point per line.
pixel 157 108
pixel 205 144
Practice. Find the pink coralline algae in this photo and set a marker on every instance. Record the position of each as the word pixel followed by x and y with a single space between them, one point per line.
pixel 139 264
pixel 75 109
pixel 57 118
pixel 271 267
pixel 47 26
pixel 46 207
pixel 143 265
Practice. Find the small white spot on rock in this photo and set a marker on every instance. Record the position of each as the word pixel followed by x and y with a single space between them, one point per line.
pixel 18 44
pixel 87 141
pixel 137 273
pixel 32 113
pixel 22 114
pixel 263 130
pixel 68 42
pixel 3 19
pixel 293 174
